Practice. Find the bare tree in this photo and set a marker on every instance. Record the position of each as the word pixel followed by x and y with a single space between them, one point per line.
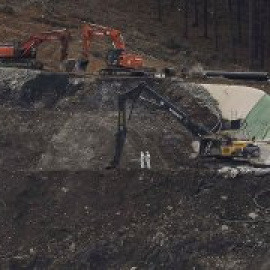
pixel 159 5
pixel 231 24
pixel 257 19
pixel 186 10
pixel 173 4
pixel 216 24
pixel 251 34
pixel 196 13
pixel 263 19
pixel 267 29
pixel 205 18
pixel 239 20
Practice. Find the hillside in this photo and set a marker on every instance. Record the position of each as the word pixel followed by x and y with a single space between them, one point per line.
pixel 160 43
pixel 62 208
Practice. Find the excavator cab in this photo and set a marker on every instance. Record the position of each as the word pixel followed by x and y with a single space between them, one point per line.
pixel 114 56
pixel 226 147
pixel 118 58
pixel 81 64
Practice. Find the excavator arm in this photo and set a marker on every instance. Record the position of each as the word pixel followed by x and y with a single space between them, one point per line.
pixel 213 143
pixel 117 58
pixel 133 95
pixel 89 31
pixel 57 35
pixel 23 54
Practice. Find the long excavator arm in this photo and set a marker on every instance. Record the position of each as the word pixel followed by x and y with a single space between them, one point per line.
pixel 133 95
pixel 23 54
pixel 91 30
pixel 117 58
pixel 56 35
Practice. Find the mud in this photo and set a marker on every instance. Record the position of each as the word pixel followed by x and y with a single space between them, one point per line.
pixel 60 209
pixel 150 220
pixel 60 122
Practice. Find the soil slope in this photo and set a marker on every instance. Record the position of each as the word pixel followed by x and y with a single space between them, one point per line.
pixel 59 208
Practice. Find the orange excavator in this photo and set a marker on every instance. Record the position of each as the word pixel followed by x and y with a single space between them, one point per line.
pixel 118 60
pixel 23 54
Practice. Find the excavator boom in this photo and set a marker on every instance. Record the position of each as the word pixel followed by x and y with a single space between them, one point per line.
pixel 118 58
pixel 133 95
pixel 56 35
pixel 223 146
pixel 24 53
pixel 89 31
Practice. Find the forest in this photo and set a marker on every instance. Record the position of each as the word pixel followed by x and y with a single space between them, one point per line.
pixel 239 25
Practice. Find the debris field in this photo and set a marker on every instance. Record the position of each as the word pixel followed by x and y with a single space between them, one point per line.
pixel 61 209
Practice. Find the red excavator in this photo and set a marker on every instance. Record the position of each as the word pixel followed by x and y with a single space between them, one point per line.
pixel 23 54
pixel 118 60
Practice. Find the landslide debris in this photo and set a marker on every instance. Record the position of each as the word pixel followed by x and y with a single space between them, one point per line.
pixel 57 213
pixel 131 218
pixel 64 122
pixel 61 210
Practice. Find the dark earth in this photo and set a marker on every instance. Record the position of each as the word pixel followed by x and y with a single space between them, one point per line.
pixel 61 209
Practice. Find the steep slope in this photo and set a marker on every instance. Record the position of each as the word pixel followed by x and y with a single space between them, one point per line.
pixel 59 208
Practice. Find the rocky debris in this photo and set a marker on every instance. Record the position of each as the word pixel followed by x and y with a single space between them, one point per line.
pixel 123 213
pixel 253 215
pixel 224 228
pixel 233 172
pixel 87 109
pixel 195 101
pixel 122 219
pixel 7 9
pixel 61 209
pixel 28 88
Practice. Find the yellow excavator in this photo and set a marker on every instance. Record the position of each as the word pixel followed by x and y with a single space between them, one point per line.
pixel 225 146
pixel 215 145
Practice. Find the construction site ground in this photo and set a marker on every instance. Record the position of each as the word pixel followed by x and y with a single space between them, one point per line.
pixel 61 209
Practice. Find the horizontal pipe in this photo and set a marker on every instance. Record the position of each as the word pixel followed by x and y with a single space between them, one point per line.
pixel 252 76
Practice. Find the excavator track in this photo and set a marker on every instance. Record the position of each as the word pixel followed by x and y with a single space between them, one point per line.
pixel 128 72
pixel 21 63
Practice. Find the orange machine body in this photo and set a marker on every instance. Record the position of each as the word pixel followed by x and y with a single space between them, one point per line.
pixel 25 52
pixel 130 60
pixel 119 56
pixel 7 50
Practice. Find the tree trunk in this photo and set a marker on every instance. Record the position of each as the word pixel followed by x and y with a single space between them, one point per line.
pixel 216 24
pixel 255 34
pixel 232 36
pixel 196 14
pixel 205 18
pixel 239 20
pixel 159 5
pixel 267 31
pixel 257 28
pixel 186 18
pixel 173 2
pixel 263 19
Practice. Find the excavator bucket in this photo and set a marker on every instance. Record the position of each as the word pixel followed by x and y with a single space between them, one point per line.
pixel 73 65
pixel 68 65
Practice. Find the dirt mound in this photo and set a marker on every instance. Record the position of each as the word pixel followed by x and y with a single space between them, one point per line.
pixel 109 220
pixel 60 209
pixel 60 122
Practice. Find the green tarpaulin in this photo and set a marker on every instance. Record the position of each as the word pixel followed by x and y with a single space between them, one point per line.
pixel 257 122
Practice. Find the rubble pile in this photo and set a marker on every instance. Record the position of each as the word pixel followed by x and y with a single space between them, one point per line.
pixel 60 208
